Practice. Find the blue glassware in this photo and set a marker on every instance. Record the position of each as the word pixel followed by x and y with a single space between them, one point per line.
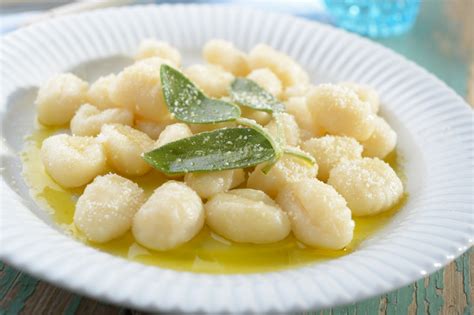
pixel 374 18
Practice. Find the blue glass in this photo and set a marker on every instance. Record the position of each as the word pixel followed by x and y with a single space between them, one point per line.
pixel 374 18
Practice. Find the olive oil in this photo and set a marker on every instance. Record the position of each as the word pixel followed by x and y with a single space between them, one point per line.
pixel 207 252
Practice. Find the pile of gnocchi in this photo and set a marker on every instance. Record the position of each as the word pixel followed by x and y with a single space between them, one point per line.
pixel 119 117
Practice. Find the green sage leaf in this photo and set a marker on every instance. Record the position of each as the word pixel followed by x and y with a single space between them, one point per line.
pixel 247 93
pixel 217 150
pixel 297 152
pixel 189 104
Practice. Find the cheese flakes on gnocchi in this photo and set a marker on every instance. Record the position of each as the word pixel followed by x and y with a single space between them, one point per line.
pixel 106 208
pixel 88 120
pixel 369 185
pixel 172 215
pixel 247 216
pixel 258 185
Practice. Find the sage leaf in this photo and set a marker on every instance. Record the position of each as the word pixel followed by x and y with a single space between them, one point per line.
pixel 247 93
pixel 189 104
pixel 297 152
pixel 276 143
pixel 217 150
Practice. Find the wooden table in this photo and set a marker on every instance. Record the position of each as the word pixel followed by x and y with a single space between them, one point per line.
pixel 440 47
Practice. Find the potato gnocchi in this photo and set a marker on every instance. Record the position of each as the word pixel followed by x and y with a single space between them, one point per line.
pixel 170 217
pixel 247 216
pixel 369 185
pixel 88 120
pixel 106 208
pixel 329 151
pixel 212 79
pixel 73 161
pixel 124 147
pixel 309 193
pixel 59 98
pixel 153 48
pixel 319 215
pixel 340 111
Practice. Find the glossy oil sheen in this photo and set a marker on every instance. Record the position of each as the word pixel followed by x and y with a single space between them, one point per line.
pixel 207 252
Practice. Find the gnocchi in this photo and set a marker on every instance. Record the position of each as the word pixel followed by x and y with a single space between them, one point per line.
pixel 267 80
pixel 172 215
pixel 138 88
pixel 247 216
pixel 106 208
pixel 73 161
pixel 329 151
pixel 153 48
pixel 365 93
pixel 286 69
pixel 215 180
pixel 319 215
pixel 59 98
pixel 290 129
pixel 287 170
pixel 226 55
pixel 369 185
pixel 297 107
pixel 339 111
pixel 173 133
pixel 152 128
pixel 209 184
pixel 99 95
pixel 88 119
pixel 212 79
pixel 124 147
pixel 299 90
pixel 260 117
pixel 382 141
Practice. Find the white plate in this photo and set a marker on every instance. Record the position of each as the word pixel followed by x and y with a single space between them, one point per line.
pixel 434 125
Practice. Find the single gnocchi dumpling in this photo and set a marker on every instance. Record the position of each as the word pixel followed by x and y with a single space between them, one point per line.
pixel 365 93
pixel 173 215
pixel 297 107
pixel 209 184
pixel 288 169
pixel 173 133
pixel 286 69
pixel 138 88
pixel 124 147
pixel 152 128
pixel 150 48
pixel 226 55
pixel 319 215
pixel 382 141
pixel 88 120
pixel 212 80
pixel 73 161
pixel 106 208
pixel 247 216
pixel 99 95
pixel 266 79
pixel 259 116
pixel 369 185
pixel 328 151
pixel 299 90
pixel 59 98
pixel 290 129
pixel 339 111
